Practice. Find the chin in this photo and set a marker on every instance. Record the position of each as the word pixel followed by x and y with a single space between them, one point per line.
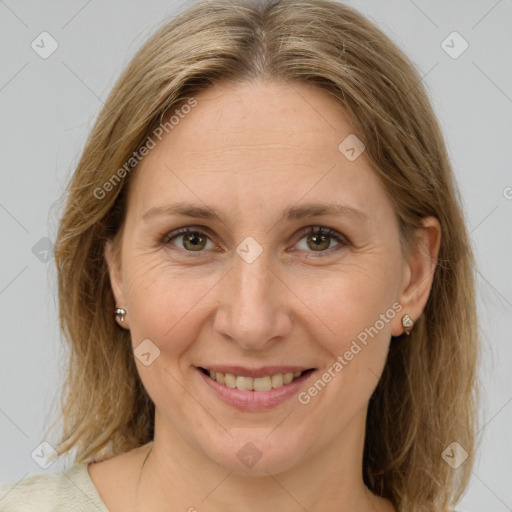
pixel 257 454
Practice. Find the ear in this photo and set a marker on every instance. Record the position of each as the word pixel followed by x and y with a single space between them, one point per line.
pixel 418 272
pixel 113 260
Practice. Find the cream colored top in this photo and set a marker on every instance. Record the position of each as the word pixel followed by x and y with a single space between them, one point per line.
pixel 71 490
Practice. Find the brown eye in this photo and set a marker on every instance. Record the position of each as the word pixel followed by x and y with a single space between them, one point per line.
pixel 319 239
pixel 191 240
pixel 318 242
pixel 194 241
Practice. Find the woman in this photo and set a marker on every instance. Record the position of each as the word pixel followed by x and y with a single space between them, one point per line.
pixel 264 273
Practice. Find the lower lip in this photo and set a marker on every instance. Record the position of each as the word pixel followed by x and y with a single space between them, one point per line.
pixel 255 400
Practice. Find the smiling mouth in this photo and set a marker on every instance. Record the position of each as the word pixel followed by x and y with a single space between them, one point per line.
pixel 266 383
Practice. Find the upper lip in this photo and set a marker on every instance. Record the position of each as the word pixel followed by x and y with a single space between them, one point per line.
pixel 256 372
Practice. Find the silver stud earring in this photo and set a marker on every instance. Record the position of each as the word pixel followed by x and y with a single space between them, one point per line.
pixel 120 313
pixel 407 324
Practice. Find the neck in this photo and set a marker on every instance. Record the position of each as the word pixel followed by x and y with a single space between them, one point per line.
pixel 175 475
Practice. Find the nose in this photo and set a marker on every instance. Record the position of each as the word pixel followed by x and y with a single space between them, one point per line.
pixel 254 308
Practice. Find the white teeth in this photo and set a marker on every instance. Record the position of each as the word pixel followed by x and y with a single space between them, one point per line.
pixel 230 380
pixel 277 380
pixel 244 383
pixel 262 384
pixel 254 384
pixel 287 378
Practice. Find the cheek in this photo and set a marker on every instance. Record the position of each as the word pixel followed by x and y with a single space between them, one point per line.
pixel 163 299
pixel 166 306
pixel 358 307
pixel 352 299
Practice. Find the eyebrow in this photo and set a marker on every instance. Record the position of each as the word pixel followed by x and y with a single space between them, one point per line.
pixel 291 213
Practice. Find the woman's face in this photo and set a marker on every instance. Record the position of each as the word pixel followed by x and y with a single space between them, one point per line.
pixel 254 291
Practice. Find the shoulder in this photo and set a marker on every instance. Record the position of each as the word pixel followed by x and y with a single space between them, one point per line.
pixel 68 491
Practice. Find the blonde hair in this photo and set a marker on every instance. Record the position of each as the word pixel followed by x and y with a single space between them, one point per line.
pixel 426 398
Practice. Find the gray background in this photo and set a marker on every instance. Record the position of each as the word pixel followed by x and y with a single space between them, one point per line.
pixel 47 107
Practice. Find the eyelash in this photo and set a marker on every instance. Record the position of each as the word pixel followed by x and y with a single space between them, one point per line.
pixel 338 237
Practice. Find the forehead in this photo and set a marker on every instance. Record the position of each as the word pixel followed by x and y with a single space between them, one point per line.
pixel 253 142
pixel 261 119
